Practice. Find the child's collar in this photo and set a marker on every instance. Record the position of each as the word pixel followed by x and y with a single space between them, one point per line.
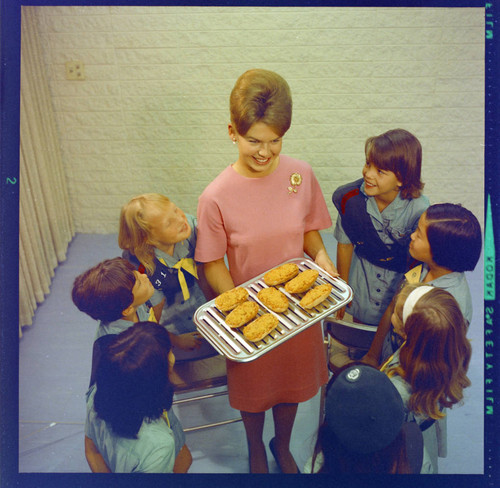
pixel 130 314
pixel 435 271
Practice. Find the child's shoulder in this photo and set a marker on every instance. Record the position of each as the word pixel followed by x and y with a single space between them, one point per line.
pixel 420 203
pixel 343 190
pixel 192 221
pixel 348 186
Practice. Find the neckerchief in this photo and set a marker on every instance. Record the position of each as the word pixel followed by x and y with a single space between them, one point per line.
pixel 188 265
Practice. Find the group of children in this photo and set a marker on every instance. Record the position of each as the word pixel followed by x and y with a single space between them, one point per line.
pixel 403 258
pixel 405 261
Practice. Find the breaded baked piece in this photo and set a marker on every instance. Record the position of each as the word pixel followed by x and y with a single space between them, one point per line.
pixel 315 296
pixel 258 329
pixel 242 314
pixel 302 282
pixel 281 274
pixel 231 298
pixel 273 299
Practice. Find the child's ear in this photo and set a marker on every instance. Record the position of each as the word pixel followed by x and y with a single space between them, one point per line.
pixel 151 241
pixel 128 311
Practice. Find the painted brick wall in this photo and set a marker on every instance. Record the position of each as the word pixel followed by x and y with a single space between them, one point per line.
pixel 152 112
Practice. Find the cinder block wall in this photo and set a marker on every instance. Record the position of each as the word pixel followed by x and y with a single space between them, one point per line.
pixel 151 114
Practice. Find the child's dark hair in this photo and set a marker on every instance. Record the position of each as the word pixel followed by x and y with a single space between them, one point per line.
pixel 105 291
pixel 132 378
pixel 337 460
pixel 352 414
pixel 454 236
pixel 398 151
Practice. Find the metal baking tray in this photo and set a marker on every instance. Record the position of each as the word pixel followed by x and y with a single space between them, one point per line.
pixel 231 343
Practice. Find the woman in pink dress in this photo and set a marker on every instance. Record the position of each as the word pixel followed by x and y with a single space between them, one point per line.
pixel 264 209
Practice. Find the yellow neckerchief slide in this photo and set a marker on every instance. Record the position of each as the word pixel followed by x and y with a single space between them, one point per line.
pixel 188 265
pixel 413 276
pixel 152 317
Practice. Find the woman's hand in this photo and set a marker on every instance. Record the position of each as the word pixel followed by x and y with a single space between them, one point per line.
pixel 324 262
pixel 186 342
pixel 314 248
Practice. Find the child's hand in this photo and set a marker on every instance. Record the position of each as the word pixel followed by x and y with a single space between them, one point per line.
pixel 188 341
pixel 340 313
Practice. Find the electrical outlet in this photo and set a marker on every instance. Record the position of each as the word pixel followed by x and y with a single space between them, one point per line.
pixel 74 70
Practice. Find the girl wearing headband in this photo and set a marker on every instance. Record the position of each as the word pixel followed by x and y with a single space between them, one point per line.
pixel 430 368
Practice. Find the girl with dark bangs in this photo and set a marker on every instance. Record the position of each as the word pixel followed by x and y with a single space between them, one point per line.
pixel 130 426
pixel 430 368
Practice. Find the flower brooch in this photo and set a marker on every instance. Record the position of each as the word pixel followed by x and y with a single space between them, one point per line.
pixel 295 181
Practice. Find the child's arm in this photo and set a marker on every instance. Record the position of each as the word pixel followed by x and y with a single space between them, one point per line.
pixel 372 357
pixel 314 247
pixel 94 459
pixel 218 276
pixel 344 258
pixel 183 460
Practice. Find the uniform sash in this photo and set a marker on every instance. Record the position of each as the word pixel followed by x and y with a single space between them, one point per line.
pixel 358 225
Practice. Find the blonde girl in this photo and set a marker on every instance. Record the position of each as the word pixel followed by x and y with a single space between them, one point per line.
pixel 159 238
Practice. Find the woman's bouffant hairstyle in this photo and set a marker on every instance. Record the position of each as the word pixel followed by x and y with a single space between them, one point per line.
pixel 134 228
pixel 261 96
pixel 398 151
pixel 436 355
pixel 105 291
pixel 132 379
pixel 454 236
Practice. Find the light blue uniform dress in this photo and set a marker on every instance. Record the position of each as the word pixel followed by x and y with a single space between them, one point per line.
pixel 153 451
pixel 373 286
pixel 456 284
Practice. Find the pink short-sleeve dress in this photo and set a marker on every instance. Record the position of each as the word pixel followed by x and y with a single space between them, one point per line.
pixel 259 223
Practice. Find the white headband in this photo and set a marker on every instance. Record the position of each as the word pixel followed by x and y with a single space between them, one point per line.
pixel 413 298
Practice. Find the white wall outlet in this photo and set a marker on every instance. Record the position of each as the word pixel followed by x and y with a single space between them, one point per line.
pixel 74 70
